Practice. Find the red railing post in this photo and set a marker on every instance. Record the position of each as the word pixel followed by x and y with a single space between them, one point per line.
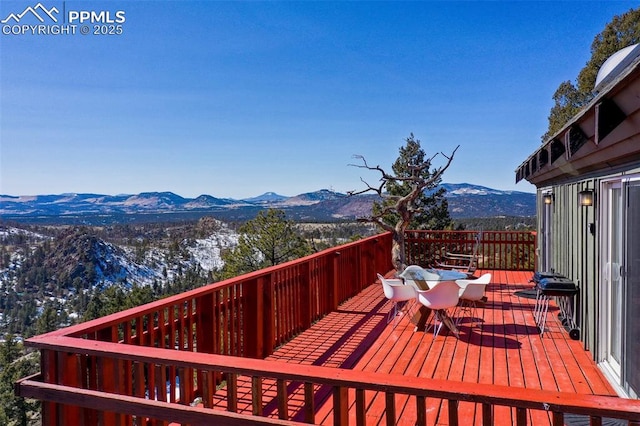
pixel 109 373
pixel 306 312
pixel 252 295
pixel 205 333
pixel 69 375
pixel 265 284
pixel 49 370
pixel 334 276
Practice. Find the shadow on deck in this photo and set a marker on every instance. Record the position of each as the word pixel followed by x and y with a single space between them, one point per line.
pixel 500 346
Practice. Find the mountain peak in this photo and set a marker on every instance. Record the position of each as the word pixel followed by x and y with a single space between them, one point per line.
pixel 465 200
pixel 455 189
pixel 267 197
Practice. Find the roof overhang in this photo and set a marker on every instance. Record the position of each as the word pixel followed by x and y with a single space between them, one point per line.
pixel 605 135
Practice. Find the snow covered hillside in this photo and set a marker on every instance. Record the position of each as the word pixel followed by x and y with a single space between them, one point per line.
pixel 72 265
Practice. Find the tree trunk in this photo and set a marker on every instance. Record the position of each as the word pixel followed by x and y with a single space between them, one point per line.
pixel 398 259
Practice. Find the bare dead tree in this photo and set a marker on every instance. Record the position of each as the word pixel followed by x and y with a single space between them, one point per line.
pixel 403 206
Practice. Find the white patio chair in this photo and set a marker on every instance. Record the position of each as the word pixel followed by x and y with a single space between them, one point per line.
pixel 443 296
pixel 463 262
pixel 471 292
pixel 419 277
pixel 402 296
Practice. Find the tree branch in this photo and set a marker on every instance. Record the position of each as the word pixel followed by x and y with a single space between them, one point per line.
pixel 419 178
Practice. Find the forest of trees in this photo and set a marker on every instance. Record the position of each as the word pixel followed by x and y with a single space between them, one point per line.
pixel 51 274
pixel 16 363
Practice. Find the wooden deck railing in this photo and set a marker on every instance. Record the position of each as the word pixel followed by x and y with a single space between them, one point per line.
pixel 348 388
pixel 505 250
pixel 247 316
pixel 180 359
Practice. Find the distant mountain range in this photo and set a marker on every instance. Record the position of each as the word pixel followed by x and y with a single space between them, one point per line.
pixel 465 201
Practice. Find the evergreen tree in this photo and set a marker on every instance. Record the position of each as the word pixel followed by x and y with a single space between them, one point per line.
pixel 95 308
pixel 431 207
pixel 15 364
pixel 48 320
pixel 9 351
pixel 267 240
pixel 140 295
pixel 404 197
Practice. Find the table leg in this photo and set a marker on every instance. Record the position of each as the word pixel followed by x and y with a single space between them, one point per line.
pixel 422 316
pixel 448 321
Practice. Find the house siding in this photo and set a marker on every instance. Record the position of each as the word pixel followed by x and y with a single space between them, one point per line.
pixel 574 250
pixel 601 142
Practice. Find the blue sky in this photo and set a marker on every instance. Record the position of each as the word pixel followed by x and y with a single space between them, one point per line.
pixel 233 99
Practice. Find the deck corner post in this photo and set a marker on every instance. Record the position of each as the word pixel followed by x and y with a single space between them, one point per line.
pixel 267 321
pixel 49 370
pixel 256 312
pixel 205 330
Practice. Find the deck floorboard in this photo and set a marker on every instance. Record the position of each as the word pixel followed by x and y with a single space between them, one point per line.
pixel 499 345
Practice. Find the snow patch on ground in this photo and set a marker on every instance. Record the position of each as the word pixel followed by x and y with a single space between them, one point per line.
pixel 208 252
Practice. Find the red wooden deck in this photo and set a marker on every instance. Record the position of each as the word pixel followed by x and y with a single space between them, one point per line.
pixel 501 346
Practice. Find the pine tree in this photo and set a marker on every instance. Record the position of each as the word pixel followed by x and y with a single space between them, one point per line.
pixel 48 320
pixel 431 207
pixel 403 196
pixel 14 364
pixel 267 240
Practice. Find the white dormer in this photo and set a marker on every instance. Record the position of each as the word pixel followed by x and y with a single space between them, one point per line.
pixel 616 63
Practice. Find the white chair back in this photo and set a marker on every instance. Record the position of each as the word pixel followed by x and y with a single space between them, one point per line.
pixel 396 291
pixel 471 292
pixel 444 295
pixel 473 289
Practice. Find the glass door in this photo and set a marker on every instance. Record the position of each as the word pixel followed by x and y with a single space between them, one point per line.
pixel 631 321
pixel 613 233
pixel 620 283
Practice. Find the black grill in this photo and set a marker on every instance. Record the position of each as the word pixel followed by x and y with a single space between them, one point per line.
pixel 557 286
pixel 551 284
pixel 537 276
